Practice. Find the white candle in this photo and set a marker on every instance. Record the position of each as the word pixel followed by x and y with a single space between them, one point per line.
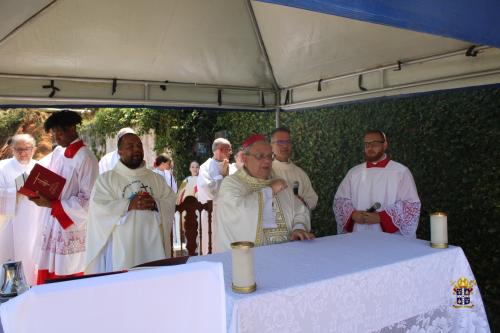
pixel 439 230
pixel 243 272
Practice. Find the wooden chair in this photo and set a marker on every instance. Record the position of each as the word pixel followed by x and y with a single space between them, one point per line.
pixel 193 226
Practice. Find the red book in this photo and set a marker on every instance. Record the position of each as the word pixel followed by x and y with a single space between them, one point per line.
pixel 46 182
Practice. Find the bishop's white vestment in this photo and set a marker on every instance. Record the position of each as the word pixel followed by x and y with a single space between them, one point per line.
pixel 118 238
pixel 20 217
pixel 64 226
pixel 248 211
pixel 387 182
pixel 291 173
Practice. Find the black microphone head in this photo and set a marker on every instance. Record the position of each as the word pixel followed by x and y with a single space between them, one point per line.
pixel 374 207
pixel 296 188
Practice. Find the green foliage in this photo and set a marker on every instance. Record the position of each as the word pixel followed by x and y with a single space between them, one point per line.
pixel 9 122
pixel 176 130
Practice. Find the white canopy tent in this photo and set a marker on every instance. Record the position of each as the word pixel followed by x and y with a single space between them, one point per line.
pixel 240 54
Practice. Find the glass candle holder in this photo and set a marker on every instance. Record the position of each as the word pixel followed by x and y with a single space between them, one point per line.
pixel 243 267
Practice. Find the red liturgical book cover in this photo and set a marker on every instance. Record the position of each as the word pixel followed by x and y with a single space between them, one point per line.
pixel 46 182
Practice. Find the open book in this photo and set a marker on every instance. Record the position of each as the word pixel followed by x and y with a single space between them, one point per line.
pixel 41 180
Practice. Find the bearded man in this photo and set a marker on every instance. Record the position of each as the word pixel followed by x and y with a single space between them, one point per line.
pixel 378 195
pixel 130 213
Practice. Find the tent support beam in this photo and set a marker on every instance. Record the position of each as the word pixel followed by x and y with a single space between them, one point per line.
pixel 44 101
pixel 277 118
pixel 262 47
pixel 29 19
pixel 141 82
pixel 334 98
pixel 396 66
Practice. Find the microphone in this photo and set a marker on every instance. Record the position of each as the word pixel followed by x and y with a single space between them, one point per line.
pixel 374 207
pixel 296 188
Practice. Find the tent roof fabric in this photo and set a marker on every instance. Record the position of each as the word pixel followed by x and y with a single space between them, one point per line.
pixel 239 54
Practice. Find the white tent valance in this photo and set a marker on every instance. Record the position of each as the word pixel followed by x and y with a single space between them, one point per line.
pixel 231 54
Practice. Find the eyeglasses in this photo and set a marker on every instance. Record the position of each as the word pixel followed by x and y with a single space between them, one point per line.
pixel 373 144
pixel 260 157
pixel 22 150
pixel 282 142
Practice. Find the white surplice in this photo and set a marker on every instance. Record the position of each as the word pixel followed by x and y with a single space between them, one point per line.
pixel 291 173
pixel 62 251
pixel 392 186
pixel 108 161
pixel 120 239
pixel 209 182
pixel 247 211
pixel 22 216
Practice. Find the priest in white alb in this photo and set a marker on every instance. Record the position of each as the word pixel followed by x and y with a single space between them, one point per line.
pixel 130 215
pixel 19 225
pixel 378 195
pixel 210 177
pixel 284 168
pixel 252 206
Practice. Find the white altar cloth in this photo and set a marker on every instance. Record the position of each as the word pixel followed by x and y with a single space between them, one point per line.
pixel 184 298
pixel 358 282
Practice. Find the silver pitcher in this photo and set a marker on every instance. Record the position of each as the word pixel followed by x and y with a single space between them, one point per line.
pixel 14 281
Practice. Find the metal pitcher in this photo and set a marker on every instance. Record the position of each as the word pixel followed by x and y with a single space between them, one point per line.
pixel 14 281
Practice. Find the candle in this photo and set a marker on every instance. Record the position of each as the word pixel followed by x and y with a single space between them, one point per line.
pixel 243 272
pixel 439 230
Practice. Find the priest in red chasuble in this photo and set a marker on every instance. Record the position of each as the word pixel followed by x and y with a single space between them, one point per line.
pixel 377 195
pixel 62 245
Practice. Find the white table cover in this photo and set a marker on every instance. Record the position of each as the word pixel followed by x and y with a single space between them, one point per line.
pixel 359 282
pixel 184 298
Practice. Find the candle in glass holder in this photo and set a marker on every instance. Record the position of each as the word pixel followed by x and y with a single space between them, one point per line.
pixel 439 230
pixel 243 271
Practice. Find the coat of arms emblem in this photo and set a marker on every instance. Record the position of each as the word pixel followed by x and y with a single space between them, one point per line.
pixel 463 289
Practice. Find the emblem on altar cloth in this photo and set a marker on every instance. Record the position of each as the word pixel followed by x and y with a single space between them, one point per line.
pixel 462 291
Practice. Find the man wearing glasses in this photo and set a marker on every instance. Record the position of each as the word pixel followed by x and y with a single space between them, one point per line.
pixel 284 168
pixel 212 172
pixel 378 195
pixel 19 225
pixel 254 207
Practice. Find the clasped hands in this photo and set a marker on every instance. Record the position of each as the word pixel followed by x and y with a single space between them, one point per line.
pixel 142 201
pixel 363 217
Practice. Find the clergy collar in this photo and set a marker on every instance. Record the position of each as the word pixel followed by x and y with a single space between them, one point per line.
pixel 73 148
pixel 380 164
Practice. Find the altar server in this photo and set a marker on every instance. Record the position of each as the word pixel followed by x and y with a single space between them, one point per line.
pixel 378 195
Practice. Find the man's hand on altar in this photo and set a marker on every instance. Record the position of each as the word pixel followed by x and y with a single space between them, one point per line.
pixel 299 234
pixel 142 201
pixel 278 185
pixel 371 218
pixel 41 201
